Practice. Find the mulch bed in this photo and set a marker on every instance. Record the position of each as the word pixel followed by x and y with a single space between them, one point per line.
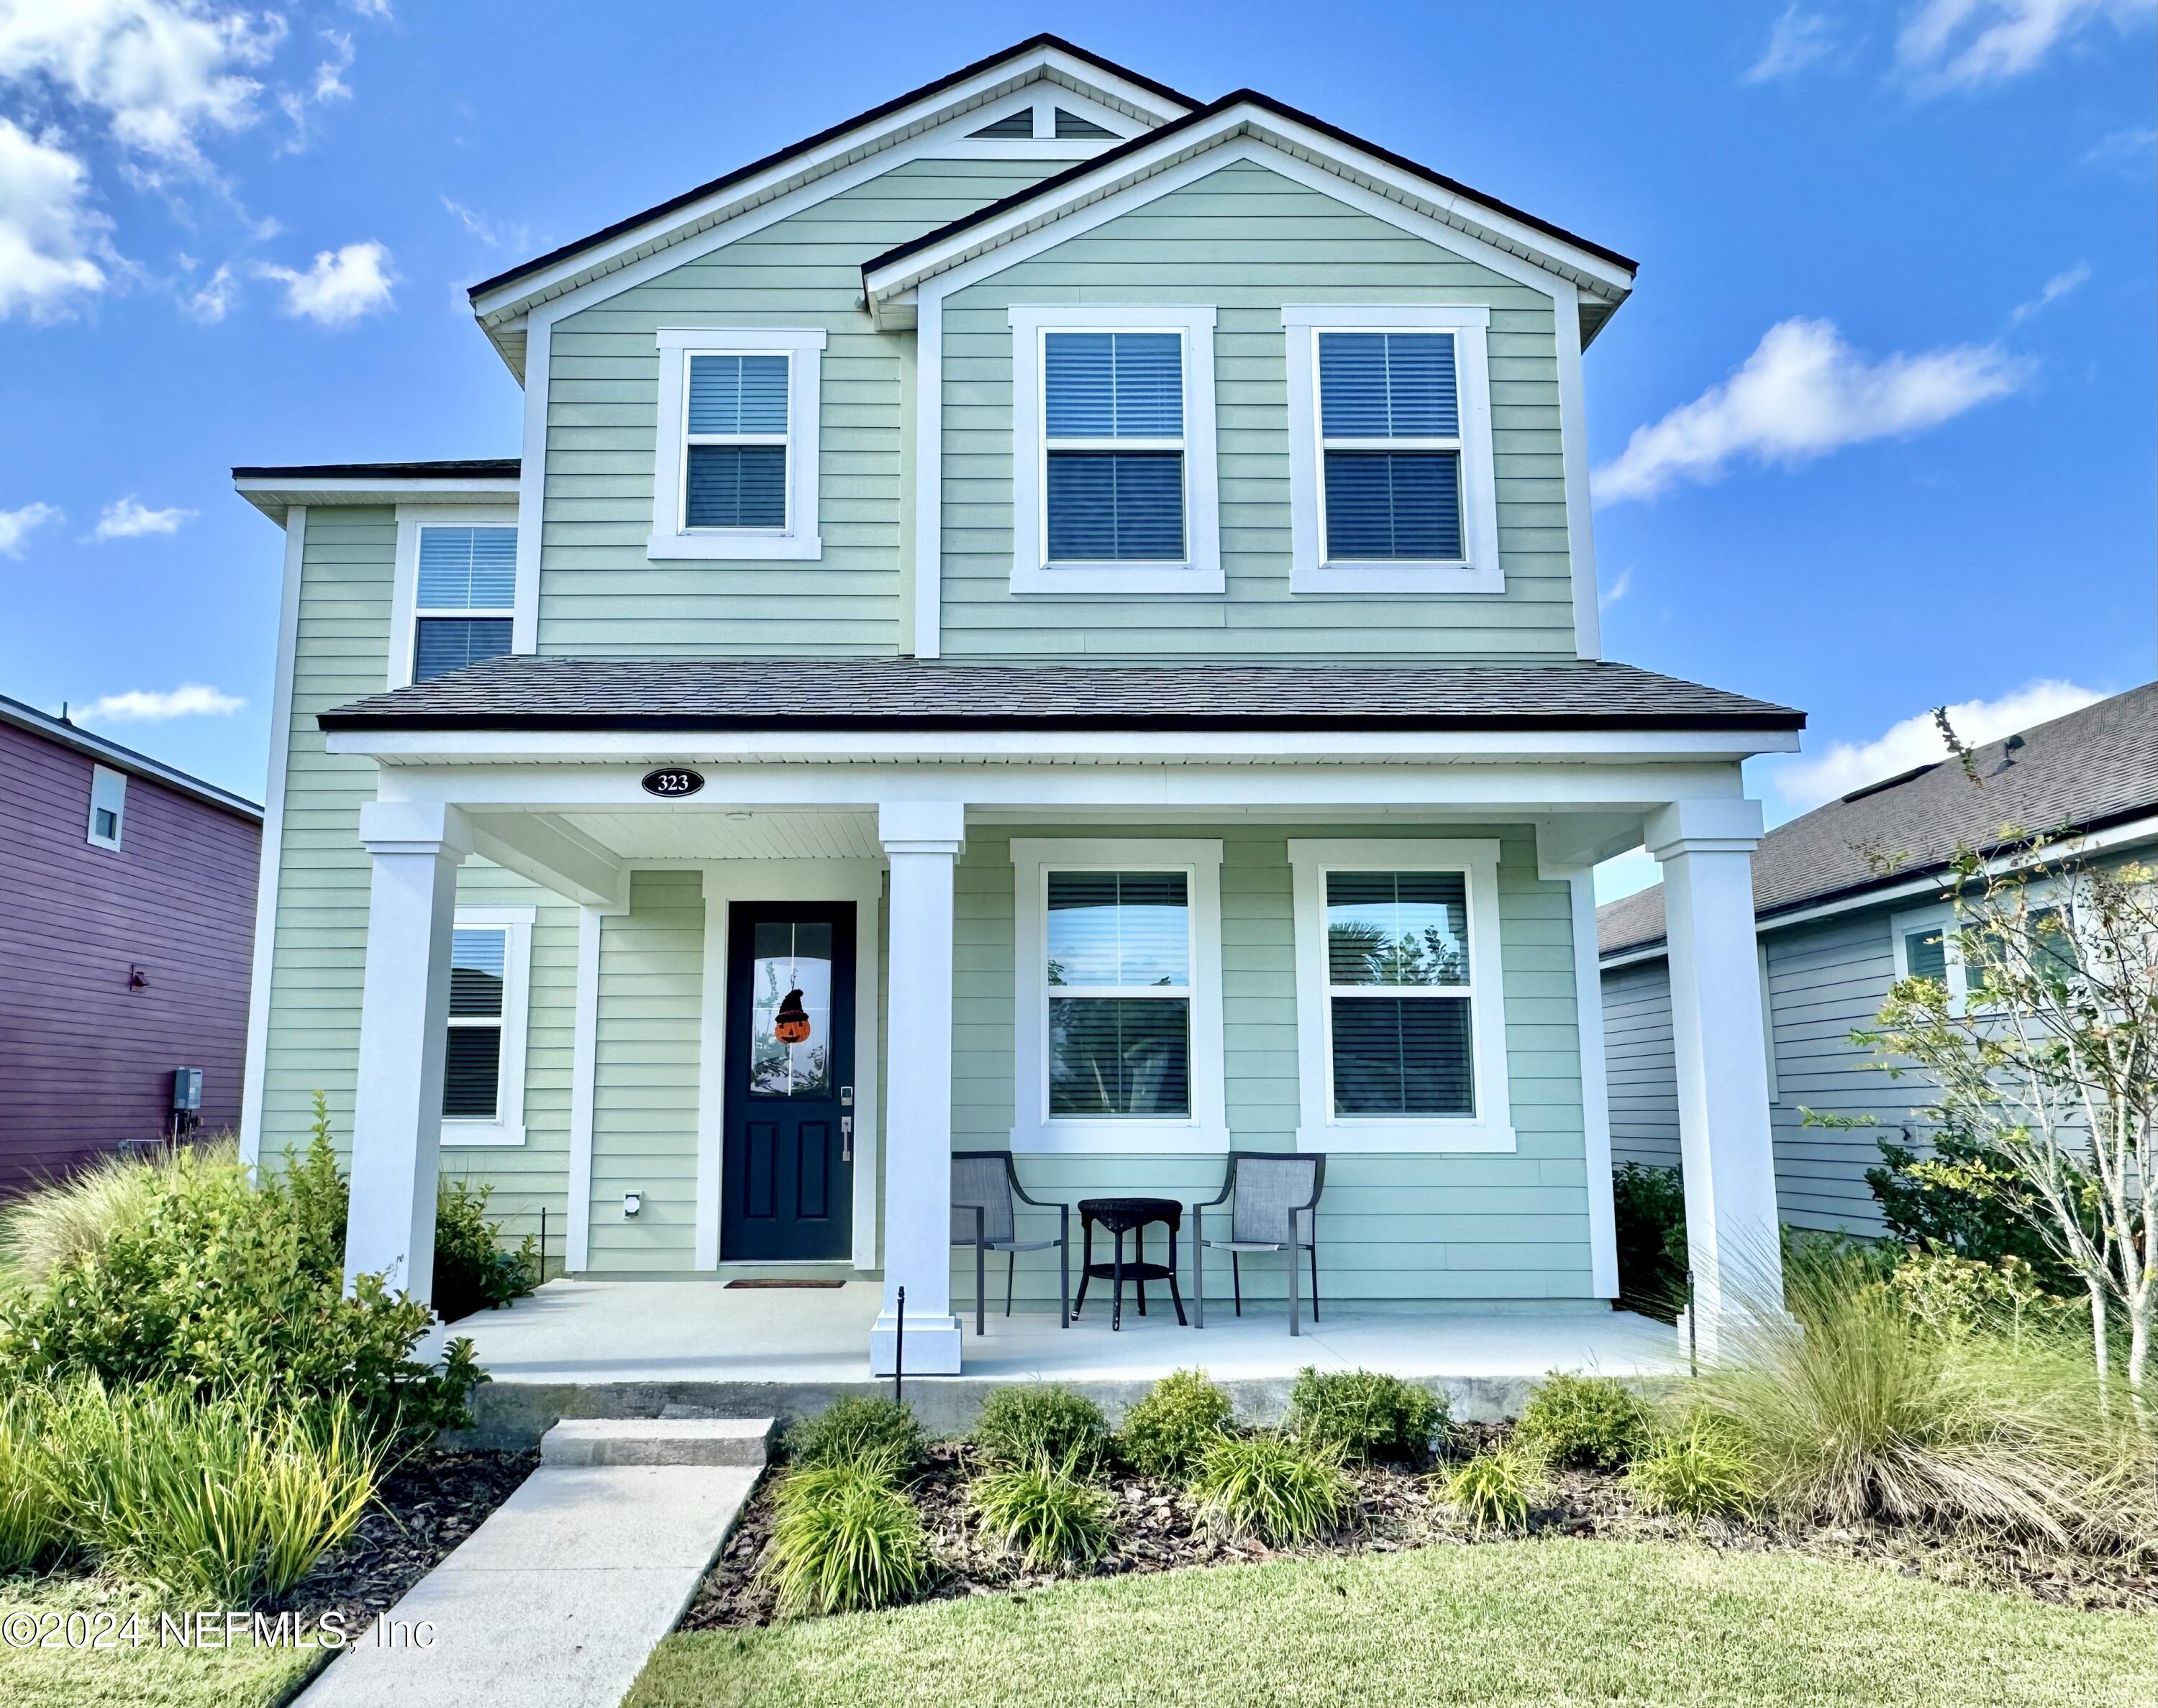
pixel 1156 1531
pixel 423 1510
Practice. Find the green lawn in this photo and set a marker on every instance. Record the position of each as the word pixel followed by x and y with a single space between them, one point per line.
pixel 145 1677
pixel 1531 1623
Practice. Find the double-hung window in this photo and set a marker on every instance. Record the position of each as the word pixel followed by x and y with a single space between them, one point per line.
pixel 1391 486
pixel 1119 974
pixel 735 472
pixel 1114 487
pixel 483 1060
pixel 1400 1015
pixel 464 598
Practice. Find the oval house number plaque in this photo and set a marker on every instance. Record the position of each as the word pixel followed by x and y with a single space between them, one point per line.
pixel 672 783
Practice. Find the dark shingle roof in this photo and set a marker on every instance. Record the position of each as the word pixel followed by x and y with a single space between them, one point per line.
pixel 459 468
pixel 2091 768
pixel 528 693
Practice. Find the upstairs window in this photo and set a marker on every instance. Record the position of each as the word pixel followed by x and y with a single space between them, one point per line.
pixel 464 598
pixel 735 470
pixel 1391 485
pixel 108 806
pixel 1113 476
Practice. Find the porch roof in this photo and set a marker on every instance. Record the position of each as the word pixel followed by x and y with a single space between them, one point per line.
pixel 526 691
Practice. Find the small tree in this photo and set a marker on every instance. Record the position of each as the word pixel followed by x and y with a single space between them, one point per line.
pixel 2049 1063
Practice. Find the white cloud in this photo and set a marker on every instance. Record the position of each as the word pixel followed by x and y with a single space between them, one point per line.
pixel 2050 292
pixel 1969 44
pixel 125 519
pixel 1802 394
pixel 1619 589
pixel 1799 39
pixel 341 286
pixel 50 237
pixel 15 527
pixel 1845 766
pixel 371 9
pixel 211 303
pixel 2127 150
pixel 138 705
pixel 161 71
pixel 329 75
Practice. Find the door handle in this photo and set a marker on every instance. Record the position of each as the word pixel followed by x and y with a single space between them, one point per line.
pixel 846 1138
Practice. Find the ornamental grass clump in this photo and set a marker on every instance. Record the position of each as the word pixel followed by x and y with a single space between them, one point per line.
pixel 846 1537
pixel 72 1219
pixel 1268 1486
pixel 1497 1489
pixel 1695 1467
pixel 1035 1422
pixel 867 1432
pixel 1166 1432
pixel 1048 1514
pixel 1365 1414
pixel 33 1529
pixel 1591 1422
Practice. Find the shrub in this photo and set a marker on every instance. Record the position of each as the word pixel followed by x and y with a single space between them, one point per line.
pixel 1047 1514
pixel 1649 1206
pixel 221 1285
pixel 1959 1296
pixel 472 1271
pixel 1165 1433
pixel 846 1537
pixel 33 1525
pixel 863 1433
pixel 1496 1489
pixel 1365 1414
pixel 1265 1485
pixel 1695 1469
pixel 1959 1202
pixel 1035 1422
pixel 1583 1421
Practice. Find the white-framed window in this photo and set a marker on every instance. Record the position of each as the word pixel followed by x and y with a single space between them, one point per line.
pixel 108 807
pixel 454 597
pixel 1117 995
pixel 1400 1002
pixel 1113 478
pixel 736 471
pixel 490 998
pixel 1926 944
pixel 1392 484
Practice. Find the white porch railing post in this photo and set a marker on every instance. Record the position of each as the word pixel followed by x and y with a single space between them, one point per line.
pixel 1707 850
pixel 404 1027
pixel 922 840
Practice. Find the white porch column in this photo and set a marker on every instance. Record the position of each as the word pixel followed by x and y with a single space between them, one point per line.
pixel 1707 850
pixel 404 1027
pixel 922 840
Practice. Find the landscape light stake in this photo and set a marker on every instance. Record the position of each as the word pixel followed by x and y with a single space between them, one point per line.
pixel 1693 1329
pixel 898 1347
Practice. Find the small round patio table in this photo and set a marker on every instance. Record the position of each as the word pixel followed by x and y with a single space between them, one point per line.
pixel 1119 1216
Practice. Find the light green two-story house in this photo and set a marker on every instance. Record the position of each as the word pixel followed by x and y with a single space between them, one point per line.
pixel 1051 616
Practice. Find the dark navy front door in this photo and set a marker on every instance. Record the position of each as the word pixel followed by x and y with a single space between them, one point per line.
pixel 789 1175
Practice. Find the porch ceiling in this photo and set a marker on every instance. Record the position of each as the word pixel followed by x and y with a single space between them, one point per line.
pixel 680 832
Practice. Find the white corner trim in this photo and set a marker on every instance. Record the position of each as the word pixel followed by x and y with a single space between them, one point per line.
pixel 1034 1130
pixel 508 1128
pixel 532 482
pixel 929 478
pixel 404 583
pixel 1032 571
pixel 711 1076
pixel 272 859
pixel 1479 571
pixel 1595 1083
pixel 671 538
pixel 1573 456
pixel 1491 1127
pixel 584 1079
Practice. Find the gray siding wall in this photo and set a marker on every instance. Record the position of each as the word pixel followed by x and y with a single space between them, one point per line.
pixel 1638 1064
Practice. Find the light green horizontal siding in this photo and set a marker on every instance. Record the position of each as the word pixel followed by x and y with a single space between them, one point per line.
pixel 318 958
pixel 1455 1227
pixel 1248 240
pixel 600 594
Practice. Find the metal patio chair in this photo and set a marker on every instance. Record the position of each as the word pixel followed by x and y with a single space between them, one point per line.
pixel 1266 1193
pixel 984 1190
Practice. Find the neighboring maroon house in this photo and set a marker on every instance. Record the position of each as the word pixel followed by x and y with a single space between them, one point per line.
pixel 126 927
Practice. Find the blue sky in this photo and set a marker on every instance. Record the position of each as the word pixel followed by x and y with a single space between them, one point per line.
pixel 1877 431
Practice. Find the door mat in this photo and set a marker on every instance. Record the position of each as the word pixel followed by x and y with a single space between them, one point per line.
pixel 786 1283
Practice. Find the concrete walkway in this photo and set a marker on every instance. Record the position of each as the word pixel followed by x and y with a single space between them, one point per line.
pixel 560 1596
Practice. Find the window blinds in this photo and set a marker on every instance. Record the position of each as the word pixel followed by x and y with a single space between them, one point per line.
pixel 1113 407
pixel 1389 417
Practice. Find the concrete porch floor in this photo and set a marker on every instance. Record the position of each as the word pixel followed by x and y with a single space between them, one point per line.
pixel 616 1349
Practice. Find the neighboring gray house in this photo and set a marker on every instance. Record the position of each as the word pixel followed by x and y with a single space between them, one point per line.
pixel 1834 931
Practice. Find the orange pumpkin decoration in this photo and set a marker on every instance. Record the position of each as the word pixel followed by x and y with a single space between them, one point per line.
pixel 791 1025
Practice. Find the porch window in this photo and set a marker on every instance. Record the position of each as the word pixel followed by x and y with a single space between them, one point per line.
pixel 735 474
pixel 1401 1016
pixel 483 1063
pixel 465 593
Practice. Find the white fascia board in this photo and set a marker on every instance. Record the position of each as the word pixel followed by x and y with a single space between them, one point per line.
pixel 274 498
pixel 865 143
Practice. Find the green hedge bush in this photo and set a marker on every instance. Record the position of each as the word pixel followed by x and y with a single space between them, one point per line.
pixel 1167 1432
pixel 1366 1414
pixel 1040 1423
pixel 867 1432
pixel 1588 1421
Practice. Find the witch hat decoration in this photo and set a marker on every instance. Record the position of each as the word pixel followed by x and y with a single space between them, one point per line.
pixel 791 1025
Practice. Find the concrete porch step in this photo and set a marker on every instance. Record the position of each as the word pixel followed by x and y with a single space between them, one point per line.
pixel 658 1441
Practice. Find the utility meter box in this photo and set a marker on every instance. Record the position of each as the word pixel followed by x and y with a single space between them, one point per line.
pixel 187 1091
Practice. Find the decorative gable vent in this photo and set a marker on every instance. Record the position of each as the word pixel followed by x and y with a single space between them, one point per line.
pixel 1071 128
pixel 1016 124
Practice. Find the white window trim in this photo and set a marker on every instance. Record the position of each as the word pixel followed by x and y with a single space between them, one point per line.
pixel 1206 1129
pixel 508 1128
pixel 1479 571
pixel 1491 1128
pixel 804 349
pixel 1200 572
pixel 1941 916
pixel 405 584
pixel 108 789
